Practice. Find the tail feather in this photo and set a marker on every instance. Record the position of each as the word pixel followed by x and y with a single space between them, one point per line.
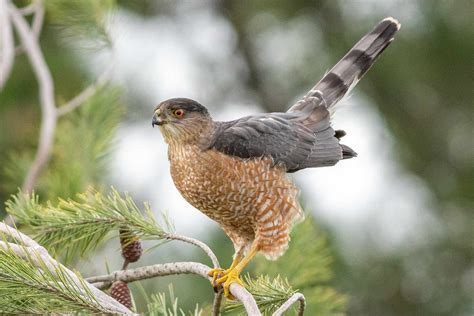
pixel 313 110
pixel 347 152
pixel 350 69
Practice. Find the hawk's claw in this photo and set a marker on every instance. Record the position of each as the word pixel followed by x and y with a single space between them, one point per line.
pixel 229 277
pixel 215 274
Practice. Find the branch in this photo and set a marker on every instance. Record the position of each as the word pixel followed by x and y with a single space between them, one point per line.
pixel 86 93
pixel 29 9
pixel 19 236
pixel 7 44
pixel 158 270
pixel 29 41
pixel 46 94
pixel 197 243
pixel 33 252
pixel 216 304
pixel 297 297
pixel 36 8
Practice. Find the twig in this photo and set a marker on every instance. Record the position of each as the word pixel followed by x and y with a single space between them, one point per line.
pixel 197 243
pixel 36 8
pixel 46 94
pixel 297 297
pixel 29 9
pixel 19 236
pixel 148 272
pixel 38 18
pixel 158 270
pixel 38 255
pixel 216 304
pixel 7 44
pixel 49 112
pixel 86 93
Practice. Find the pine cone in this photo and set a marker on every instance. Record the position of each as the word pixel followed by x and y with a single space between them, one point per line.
pixel 131 246
pixel 120 291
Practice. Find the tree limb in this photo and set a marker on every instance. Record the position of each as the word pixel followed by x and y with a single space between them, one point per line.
pixel 79 99
pixel 7 44
pixel 36 8
pixel 32 251
pixel 297 297
pixel 216 304
pixel 19 236
pixel 158 270
pixel 46 94
pixel 197 243
pixel 29 41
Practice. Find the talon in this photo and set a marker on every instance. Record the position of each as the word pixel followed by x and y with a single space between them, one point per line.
pixel 215 273
pixel 231 277
pixel 224 278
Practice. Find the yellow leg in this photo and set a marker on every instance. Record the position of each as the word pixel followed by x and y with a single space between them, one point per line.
pixel 216 272
pixel 232 275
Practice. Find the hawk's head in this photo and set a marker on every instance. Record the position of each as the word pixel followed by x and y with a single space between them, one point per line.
pixel 181 120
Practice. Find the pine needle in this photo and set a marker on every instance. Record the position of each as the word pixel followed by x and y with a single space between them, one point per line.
pixel 269 293
pixel 75 227
pixel 27 285
pixel 85 19
pixel 158 306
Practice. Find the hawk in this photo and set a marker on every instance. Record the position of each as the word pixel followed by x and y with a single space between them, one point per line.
pixel 235 172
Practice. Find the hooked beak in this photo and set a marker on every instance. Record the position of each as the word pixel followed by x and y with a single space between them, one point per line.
pixel 156 120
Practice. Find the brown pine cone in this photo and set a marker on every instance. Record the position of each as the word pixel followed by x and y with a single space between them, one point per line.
pixel 131 246
pixel 120 291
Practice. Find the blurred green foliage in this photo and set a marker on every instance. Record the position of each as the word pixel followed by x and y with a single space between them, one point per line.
pixel 422 87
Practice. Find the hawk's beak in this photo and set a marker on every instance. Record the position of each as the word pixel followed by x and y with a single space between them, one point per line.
pixel 156 120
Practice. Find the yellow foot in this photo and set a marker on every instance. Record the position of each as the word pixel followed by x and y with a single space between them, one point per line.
pixel 215 274
pixel 229 276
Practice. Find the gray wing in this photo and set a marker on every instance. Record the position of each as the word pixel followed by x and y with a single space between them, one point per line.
pixel 302 137
pixel 282 137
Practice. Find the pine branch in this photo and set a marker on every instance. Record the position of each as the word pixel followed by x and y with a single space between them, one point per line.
pixel 175 268
pixel 297 297
pixel 95 11
pixel 269 294
pixel 31 281
pixel 46 96
pixel 88 92
pixel 75 227
pixel 307 264
pixel 82 21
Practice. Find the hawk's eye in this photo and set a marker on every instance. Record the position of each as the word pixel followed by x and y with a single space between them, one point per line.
pixel 179 113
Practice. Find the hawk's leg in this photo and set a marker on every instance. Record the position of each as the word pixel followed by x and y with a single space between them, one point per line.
pixel 218 272
pixel 232 274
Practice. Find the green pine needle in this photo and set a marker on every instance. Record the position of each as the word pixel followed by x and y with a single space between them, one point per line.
pixel 85 19
pixel 269 293
pixel 307 261
pixel 28 286
pixel 76 227
pixel 308 266
pixel 158 306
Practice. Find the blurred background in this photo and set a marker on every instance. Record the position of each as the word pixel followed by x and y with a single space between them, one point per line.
pixel 398 218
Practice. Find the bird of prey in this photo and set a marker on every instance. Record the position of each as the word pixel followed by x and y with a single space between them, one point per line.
pixel 235 172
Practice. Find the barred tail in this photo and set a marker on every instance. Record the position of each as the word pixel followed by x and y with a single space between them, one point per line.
pixel 350 69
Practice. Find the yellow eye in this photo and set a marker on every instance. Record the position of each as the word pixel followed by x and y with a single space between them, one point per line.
pixel 178 113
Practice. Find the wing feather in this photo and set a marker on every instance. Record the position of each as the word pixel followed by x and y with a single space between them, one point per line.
pixel 280 136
